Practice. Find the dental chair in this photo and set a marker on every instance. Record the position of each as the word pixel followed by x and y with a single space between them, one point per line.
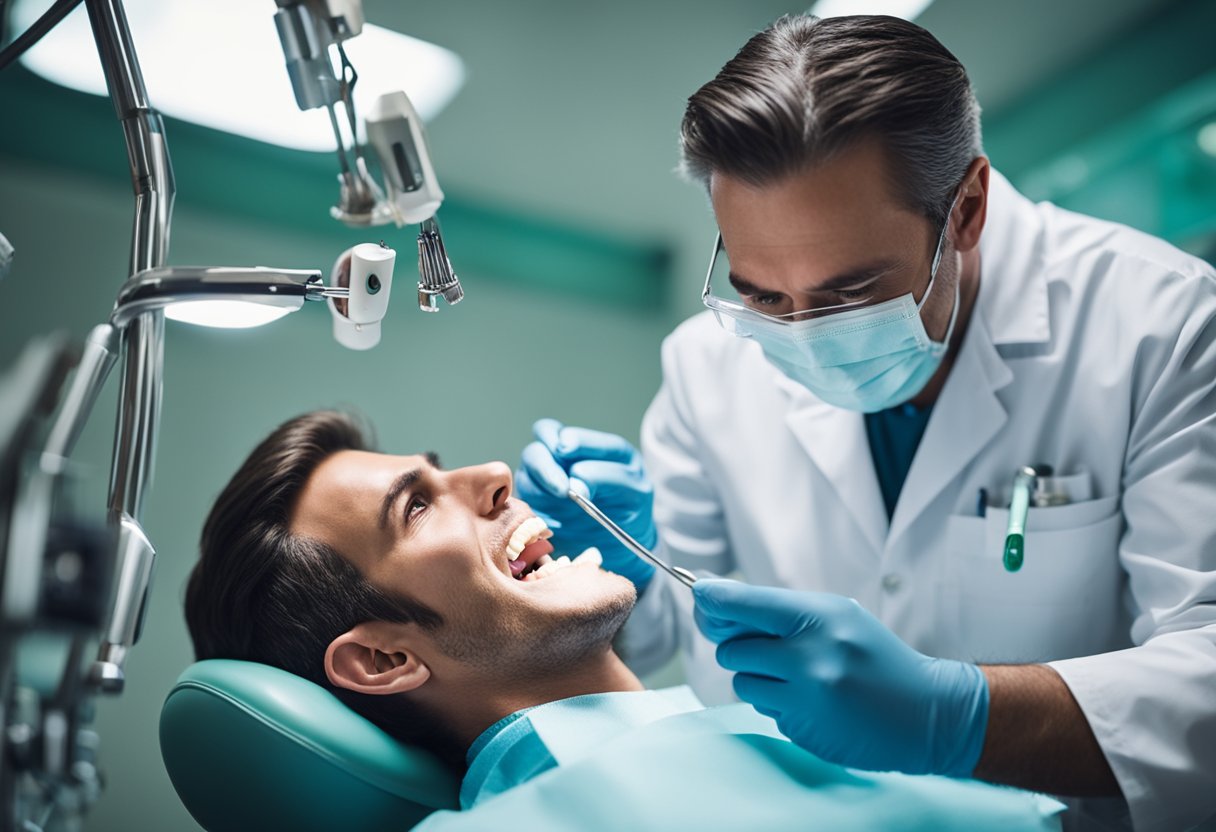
pixel 252 747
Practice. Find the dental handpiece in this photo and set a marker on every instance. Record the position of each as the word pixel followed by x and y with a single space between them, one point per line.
pixel 680 574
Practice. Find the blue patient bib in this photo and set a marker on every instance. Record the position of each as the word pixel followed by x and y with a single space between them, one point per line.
pixel 657 761
pixel 529 742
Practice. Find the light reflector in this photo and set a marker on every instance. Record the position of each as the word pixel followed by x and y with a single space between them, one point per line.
pixel 225 314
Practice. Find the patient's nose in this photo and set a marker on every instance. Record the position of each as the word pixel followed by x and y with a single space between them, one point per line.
pixel 490 486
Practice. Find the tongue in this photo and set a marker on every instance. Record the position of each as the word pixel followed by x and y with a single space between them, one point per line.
pixel 535 549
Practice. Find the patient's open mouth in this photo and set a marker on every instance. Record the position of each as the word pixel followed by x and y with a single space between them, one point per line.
pixel 527 545
pixel 528 552
pixel 546 566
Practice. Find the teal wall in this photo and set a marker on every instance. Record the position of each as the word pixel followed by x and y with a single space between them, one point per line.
pixel 1117 135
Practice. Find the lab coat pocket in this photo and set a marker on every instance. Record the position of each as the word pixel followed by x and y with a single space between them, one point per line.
pixel 1063 602
pixel 1078 488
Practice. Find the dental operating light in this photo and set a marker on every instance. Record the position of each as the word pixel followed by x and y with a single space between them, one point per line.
pixel 224 297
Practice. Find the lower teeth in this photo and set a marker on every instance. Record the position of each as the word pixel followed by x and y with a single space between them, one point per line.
pixel 545 565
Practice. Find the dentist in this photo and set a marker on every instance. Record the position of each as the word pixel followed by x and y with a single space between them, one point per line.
pixel 892 333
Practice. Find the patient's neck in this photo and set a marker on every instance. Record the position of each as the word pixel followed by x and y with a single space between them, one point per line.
pixel 476 708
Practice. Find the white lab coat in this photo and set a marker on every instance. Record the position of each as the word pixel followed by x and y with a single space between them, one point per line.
pixel 1092 349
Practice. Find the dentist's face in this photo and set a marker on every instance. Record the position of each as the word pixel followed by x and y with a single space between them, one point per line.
pixel 458 542
pixel 831 235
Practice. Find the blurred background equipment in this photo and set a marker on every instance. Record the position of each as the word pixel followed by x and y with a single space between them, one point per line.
pixel 6 256
pixel 55 569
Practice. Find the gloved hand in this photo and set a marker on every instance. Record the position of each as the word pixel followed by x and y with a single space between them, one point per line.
pixel 843 686
pixel 609 471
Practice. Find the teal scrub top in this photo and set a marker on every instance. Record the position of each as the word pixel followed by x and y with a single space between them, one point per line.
pixel 659 760
pixel 894 435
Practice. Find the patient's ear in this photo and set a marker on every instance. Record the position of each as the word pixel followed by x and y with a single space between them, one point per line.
pixel 370 658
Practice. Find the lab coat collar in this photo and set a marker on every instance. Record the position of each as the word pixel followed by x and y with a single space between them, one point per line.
pixel 1013 258
pixel 1011 308
pixel 836 441
pixel 965 418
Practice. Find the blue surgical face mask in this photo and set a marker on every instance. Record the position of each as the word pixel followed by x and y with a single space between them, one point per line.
pixel 864 359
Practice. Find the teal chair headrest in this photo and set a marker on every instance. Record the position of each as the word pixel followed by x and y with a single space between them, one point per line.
pixel 252 747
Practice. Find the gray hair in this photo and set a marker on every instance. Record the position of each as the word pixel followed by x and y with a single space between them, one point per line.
pixel 806 88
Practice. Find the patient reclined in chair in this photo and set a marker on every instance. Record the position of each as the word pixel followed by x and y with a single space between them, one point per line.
pixel 428 601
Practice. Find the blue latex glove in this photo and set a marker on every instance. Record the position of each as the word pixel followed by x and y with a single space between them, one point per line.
pixel 843 686
pixel 609 471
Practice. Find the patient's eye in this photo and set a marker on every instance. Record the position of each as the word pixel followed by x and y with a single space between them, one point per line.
pixel 414 507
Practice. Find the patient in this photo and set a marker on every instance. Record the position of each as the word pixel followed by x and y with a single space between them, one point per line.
pixel 431 602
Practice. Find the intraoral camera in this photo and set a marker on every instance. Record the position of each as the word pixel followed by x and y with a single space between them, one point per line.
pixel 367 269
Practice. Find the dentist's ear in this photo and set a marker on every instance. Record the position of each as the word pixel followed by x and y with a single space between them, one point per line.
pixel 972 208
pixel 369 658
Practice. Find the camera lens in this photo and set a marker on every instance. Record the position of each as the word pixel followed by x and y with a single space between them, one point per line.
pixel 373 284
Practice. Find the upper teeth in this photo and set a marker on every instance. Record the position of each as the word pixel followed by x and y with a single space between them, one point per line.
pixel 529 531
pixel 591 557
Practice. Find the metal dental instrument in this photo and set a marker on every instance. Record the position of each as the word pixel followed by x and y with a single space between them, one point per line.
pixel 307 29
pixel 435 270
pixel 360 200
pixel 679 573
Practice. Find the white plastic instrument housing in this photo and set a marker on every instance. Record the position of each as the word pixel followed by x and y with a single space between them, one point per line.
pixel 371 283
pixel 395 131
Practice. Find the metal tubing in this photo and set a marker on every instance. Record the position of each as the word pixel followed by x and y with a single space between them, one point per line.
pixel 118 59
pixel 138 414
pixel 152 180
pixel 143 340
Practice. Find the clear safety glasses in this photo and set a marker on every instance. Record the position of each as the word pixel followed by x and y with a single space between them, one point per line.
pixel 738 317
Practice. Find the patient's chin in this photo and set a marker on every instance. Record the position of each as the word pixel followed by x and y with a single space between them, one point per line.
pixel 545 627
pixel 582 631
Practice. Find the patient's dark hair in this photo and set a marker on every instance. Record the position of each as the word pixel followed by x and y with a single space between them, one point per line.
pixel 263 594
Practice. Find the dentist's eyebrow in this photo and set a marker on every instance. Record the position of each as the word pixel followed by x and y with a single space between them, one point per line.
pixel 401 484
pixel 849 279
